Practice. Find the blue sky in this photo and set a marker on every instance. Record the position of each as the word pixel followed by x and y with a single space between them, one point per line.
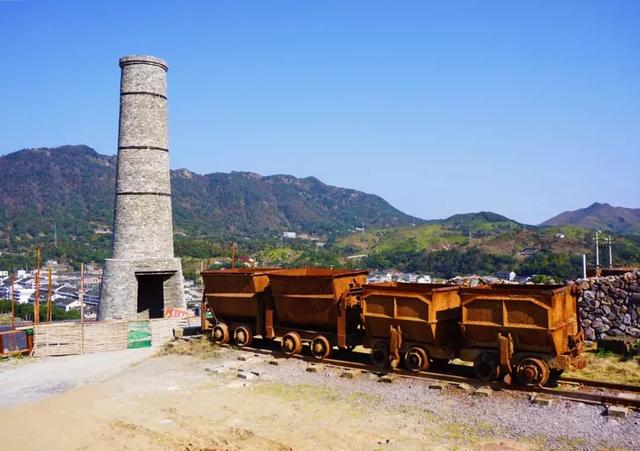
pixel 522 108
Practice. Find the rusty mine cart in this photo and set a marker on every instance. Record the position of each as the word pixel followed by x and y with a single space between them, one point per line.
pixel 237 300
pixel 529 331
pixel 417 322
pixel 317 306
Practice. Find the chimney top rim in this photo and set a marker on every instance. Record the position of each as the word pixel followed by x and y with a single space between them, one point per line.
pixel 143 59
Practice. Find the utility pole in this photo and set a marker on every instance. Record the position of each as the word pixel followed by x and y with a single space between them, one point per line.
pixel 610 252
pixel 49 310
pixel 584 266
pixel 36 304
pixel 597 251
pixel 364 239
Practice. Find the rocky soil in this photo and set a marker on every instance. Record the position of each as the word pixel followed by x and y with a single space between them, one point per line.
pixel 236 400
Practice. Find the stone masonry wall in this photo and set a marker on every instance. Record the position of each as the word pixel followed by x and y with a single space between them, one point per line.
pixel 610 306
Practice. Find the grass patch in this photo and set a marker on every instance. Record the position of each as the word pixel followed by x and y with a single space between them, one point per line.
pixel 365 398
pixel 201 348
pixel 14 359
pixel 299 392
pixel 606 366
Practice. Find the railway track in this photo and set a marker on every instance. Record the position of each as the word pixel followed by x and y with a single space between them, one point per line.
pixel 582 390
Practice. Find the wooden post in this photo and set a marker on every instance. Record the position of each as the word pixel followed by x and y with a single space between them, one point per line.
pixel 36 303
pixel 81 299
pixel 203 316
pixel 49 307
pixel 234 247
pixel 12 320
pixel 81 292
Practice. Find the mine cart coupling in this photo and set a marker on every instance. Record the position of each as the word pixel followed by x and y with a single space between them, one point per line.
pixel 395 343
pixel 505 344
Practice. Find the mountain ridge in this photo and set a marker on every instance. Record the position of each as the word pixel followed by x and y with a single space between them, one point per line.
pixel 602 216
pixel 74 186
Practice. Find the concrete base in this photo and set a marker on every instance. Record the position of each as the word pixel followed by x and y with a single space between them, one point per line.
pixel 617 411
pixel 541 400
pixel 122 297
pixel 483 391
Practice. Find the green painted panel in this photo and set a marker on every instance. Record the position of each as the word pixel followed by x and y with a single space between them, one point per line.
pixel 138 335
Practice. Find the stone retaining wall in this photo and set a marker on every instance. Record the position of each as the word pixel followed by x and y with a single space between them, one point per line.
pixel 610 306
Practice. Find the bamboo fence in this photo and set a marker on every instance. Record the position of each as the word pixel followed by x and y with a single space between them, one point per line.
pixel 67 338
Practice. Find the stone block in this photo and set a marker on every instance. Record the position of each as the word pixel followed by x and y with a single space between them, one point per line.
pixel 541 400
pixel 350 374
pixel 463 386
pixel 387 378
pixel 314 368
pixel 483 391
pixel 617 411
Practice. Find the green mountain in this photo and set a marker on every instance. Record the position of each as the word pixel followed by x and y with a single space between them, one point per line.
pixel 600 217
pixel 72 188
pixel 483 243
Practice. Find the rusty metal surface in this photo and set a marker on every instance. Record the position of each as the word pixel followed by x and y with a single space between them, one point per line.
pixel 525 332
pixel 422 315
pixel 522 322
pixel 616 271
pixel 317 300
pixel 15 342
pixel 237 297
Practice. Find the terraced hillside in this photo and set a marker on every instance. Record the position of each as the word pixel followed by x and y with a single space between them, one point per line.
pixel 483 243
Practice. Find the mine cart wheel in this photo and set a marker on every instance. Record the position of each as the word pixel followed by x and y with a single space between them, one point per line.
pixel 486 367
pixel 220 333
pixel 554 377
pixel 439 364
pixel 291 343
pixel 320 347
pixel 380 354
pixel 532 371
pixel 416 359
pixel 242 336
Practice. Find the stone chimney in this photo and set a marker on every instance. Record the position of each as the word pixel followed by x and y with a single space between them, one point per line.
pixel 143 278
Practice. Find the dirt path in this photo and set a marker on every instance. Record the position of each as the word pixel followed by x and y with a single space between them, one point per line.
pixel 182 403
pixel 30 379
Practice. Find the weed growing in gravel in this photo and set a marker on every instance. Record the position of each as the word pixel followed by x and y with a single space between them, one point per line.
pixel 16 359
pixel 361 397
pixel 298 392
pixel 201 348
pixel 606 366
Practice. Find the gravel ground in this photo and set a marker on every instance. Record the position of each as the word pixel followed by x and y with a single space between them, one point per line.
pixel 127 401
pixel 505 415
